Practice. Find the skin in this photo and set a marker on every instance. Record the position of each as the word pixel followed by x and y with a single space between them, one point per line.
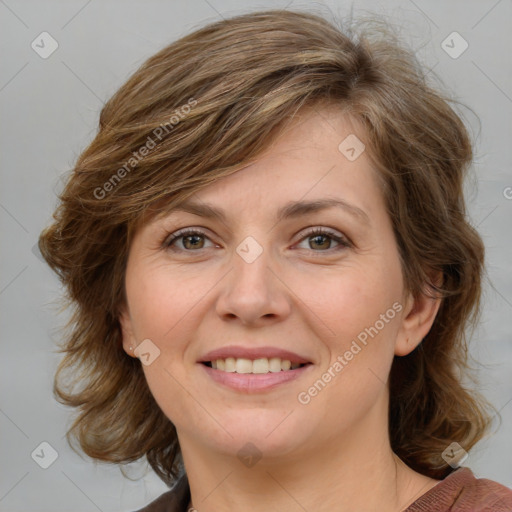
pixel 303 293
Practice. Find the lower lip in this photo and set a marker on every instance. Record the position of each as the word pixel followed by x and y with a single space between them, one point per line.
pixel 254 382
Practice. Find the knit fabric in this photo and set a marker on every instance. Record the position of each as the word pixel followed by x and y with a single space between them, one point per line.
pixel 458 492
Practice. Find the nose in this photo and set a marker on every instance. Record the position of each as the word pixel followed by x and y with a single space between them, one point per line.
pixel 252 293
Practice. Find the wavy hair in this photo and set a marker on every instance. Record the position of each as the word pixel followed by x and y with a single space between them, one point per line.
pixel 204 107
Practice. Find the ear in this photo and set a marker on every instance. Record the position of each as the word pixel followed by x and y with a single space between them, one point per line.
pixel 418 317
pixel 128 339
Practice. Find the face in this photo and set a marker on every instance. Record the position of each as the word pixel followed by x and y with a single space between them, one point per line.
pixel 320 288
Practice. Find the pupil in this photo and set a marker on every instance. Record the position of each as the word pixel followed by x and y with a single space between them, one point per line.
pixel 196 237
pixel 317 237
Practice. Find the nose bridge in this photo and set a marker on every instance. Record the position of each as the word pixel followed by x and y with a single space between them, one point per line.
pixel 253 290
pixel 251 266
pixel 249 250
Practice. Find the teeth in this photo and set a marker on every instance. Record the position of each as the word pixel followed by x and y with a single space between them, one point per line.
pixel 229 364
pixel 274 364
pixel 261 365
pixel 243 365
pixel 286 365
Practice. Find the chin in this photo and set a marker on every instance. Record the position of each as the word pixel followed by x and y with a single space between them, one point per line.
pixel 268 432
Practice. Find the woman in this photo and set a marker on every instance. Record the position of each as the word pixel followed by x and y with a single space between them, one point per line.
pixel 267 247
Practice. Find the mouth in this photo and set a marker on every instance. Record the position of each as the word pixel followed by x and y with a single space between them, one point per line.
pixel 259 366
pixel 253 370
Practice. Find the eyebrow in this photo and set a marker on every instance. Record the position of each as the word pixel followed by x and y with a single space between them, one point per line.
pixel 290 210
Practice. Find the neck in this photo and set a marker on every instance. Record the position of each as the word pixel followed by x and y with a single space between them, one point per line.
pixel 358 471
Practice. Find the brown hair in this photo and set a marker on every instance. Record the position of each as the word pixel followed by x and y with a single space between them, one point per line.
pixel 205 106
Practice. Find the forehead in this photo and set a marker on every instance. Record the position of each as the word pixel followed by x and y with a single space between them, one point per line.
pixel 321 153
pixel 308 167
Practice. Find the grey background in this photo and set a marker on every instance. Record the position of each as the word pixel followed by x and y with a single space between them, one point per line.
pixel 49 113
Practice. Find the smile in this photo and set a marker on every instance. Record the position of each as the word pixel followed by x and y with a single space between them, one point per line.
pixel 257 366
pixel 253 369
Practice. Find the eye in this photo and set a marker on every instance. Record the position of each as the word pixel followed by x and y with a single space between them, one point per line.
pixel 191 239
pixel 320 237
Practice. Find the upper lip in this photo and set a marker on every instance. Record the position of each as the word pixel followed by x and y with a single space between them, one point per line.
pixel 252 353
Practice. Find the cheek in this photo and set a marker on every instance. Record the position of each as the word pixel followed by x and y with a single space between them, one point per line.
pixel 363 314
pixel 158 302
pixel 362 311
pixel 348 300
pixel 162 309
pixel 166 308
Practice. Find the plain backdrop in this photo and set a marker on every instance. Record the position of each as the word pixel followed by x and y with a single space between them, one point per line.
pixel 49 113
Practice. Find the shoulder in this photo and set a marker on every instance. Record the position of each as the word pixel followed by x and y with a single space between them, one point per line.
pixel 175 500
pixel 461 491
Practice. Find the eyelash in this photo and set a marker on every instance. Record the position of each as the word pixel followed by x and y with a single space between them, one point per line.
pixel 344 242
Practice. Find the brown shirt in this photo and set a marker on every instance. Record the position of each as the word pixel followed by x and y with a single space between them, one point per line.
pixel 462 492
pixel 458 492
